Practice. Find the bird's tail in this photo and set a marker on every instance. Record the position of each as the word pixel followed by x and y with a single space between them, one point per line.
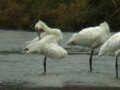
pixel 105 26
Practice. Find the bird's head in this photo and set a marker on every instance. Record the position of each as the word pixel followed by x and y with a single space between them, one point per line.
pixel 70 43
pixel 72 40
pixel 39 28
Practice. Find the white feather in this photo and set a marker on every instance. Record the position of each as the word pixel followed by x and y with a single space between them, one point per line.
pixel 48 44
pixel 111 46
pixel 91 37
pixel 40 25
pixel 54 51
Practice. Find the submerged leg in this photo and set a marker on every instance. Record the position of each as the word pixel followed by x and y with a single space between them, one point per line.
pixel 116 67
pixel 44 63
pixel 90 59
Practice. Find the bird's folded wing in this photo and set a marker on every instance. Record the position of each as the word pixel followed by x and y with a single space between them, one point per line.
pixel 54 51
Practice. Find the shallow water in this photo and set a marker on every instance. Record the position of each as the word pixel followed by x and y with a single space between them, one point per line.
pixel 16 68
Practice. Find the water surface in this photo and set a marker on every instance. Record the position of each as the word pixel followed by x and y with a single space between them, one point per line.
pixel 16 68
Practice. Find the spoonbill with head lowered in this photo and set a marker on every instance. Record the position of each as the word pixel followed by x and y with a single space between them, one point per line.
pixel 91 37
pixel 112 47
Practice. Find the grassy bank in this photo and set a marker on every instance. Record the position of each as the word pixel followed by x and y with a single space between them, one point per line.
pixel 68 15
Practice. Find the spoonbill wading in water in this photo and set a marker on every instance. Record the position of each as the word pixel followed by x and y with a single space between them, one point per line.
pixel 112 47
pixel 47 43
pixel 91 37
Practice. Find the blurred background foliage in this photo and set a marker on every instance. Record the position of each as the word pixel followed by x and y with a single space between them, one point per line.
pixel 68 15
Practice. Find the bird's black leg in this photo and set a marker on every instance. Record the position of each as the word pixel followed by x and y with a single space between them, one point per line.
pixel 90 59
pixel 44 63
pixel 116 67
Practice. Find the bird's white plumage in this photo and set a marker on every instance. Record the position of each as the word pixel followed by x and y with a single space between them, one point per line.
pixel 54 51
pixel 48 45
pixel 43 34
pixel 91 37
pixel 40 25
pixel 111 46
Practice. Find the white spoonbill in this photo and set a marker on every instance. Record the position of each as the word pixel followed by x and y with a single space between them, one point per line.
pixel 43 30
pixel 47 45
pixel 112 47
pixel 91 37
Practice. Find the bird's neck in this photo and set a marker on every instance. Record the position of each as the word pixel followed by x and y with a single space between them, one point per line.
pixel 46 28
pixel 52 31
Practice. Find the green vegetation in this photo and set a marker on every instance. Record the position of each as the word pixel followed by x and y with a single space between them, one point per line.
pixel 71 15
